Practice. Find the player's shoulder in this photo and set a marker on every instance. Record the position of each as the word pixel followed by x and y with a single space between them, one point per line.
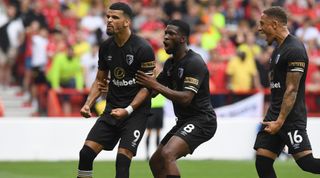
pixel 138 41
pixel 195 59
pixel 293 43
pixel 106 43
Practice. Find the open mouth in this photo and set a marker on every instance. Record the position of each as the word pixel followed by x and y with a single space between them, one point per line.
pixel 165 44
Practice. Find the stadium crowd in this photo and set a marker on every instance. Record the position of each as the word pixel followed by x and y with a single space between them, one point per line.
pixel 53 44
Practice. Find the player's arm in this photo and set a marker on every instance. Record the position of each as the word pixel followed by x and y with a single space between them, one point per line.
pixel 295 71
pixel 289 98
pixel 95 92
pixel 194 76
pixel 181 97
pixel 140 98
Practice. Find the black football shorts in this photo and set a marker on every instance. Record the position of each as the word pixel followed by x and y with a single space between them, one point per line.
pixel 129 132
pixel 297 141
pixel 194 132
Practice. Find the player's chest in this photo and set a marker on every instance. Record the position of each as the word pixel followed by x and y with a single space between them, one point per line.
pixel 125 58
pixel 278 63
pixel 176 75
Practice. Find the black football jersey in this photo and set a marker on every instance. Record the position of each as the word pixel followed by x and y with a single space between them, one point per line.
pixel 189 73
pixel 123 63
pixel 290 56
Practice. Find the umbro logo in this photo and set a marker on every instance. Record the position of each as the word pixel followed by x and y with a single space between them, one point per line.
pixel 277 59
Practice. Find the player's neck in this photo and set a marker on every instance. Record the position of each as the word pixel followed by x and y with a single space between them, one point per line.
pixel 122 37
pixel 282 36
pixel 181 52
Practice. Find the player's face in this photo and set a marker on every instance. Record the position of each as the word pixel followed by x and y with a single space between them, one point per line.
pixel 267 28
pixel 116 22
pixel 172 39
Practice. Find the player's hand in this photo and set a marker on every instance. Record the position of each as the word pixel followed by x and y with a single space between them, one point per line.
pixel 119 113
pixel 272 127
pixel 103 86
pixel 146 80
pixel 85 111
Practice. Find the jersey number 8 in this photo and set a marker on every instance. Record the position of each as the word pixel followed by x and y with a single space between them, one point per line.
pixel 188 128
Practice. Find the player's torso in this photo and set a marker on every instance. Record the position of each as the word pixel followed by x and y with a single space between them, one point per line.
pixel 123 62
pixel 177 74
pixel 279 68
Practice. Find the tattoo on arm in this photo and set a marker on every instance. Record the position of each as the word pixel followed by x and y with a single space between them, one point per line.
pixel 289 98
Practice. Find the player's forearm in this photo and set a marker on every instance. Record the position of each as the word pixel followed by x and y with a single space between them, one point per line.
pixel 140 98
pixel 93 94
pixel 289 99
pixel 290 95
pixel 181 97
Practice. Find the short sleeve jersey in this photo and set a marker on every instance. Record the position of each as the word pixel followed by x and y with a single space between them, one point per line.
pixel 291 56
pixel 189 73
pixel 123 63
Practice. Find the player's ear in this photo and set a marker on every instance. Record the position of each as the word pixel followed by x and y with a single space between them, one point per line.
pixel 274 23
pixel 183 39
pixel 127 22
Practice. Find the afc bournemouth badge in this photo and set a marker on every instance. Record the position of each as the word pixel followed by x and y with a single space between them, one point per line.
pixel 129 59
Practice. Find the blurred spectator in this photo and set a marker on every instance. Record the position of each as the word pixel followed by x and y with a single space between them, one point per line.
pixel 12 36
pixel 51 10
pixel 218 79
pixel 225 48
pixel 262 63
pixel 195 45
pixel 193 15
pixel 172 6
pixel 38 63
pixel 31 30
pixel 307 31
pixel 152 28
pixel 214 21
pixel 79 7
pixel 30 13
pixel 3 14
pixel 66 72
pixel 89 63
pixel 233 14
pixel 81 46
pixel 92 24
pixel 297 10
pixel 243 29
pixel 251 49
pixel 242 75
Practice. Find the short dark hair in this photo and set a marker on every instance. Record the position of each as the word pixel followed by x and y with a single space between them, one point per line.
pixel 278 13
pixel 123 7
pixel 184 28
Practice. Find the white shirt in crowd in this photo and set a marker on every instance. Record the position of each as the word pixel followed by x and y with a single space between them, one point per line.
pixel 39 51
pixel 89 62
pixel 14 30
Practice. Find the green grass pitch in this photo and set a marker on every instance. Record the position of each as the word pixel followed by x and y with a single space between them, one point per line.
pixel 140 169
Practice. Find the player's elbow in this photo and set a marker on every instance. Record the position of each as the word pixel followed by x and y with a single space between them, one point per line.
pixel 185 101
pixel 292 89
